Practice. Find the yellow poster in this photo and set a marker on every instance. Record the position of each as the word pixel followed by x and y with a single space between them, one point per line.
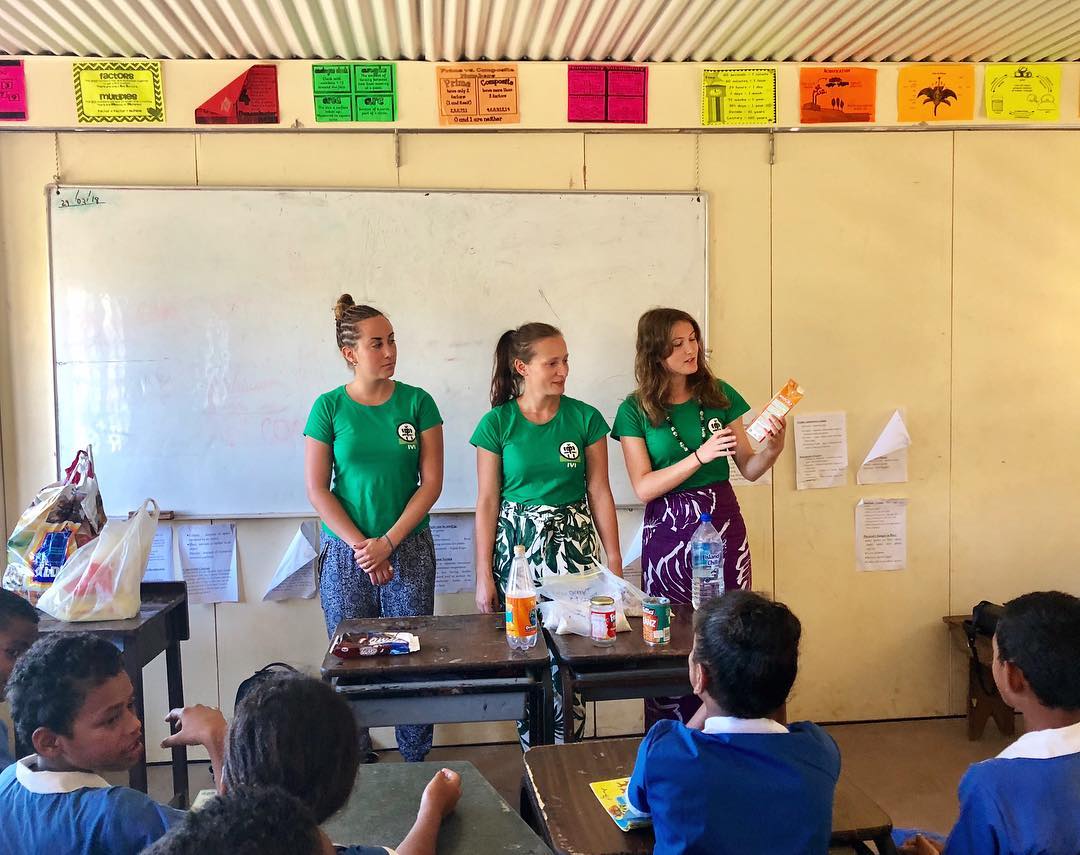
pixel 738 96
pixel 1026 93
pixel 936 93
pixel 118 93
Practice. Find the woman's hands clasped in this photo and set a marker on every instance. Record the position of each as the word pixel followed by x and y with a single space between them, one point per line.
pixel 373 557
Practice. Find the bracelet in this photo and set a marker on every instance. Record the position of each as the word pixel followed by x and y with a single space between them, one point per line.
pixel 698 459
pixel 386 537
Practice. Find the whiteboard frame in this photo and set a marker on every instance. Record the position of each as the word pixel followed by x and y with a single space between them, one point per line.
pixel 56 187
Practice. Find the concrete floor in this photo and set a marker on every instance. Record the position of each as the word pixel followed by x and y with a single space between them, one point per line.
pixel 910 768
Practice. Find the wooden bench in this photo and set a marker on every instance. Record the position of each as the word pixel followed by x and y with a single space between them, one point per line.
pixel 983 700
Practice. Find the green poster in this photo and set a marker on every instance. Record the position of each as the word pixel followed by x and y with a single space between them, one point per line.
pixel 355 91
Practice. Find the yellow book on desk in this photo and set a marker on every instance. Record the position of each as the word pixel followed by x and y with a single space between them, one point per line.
pixel 612 795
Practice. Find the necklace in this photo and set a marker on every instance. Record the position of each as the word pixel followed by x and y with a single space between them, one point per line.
pixel 675 433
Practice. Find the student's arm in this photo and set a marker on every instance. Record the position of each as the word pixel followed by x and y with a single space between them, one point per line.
pixel 199 725
pixel 318 460
pixel 753 464
pixel 652 483
pixel 636 794
pixel 602 504
pixel 376 551
pixel 439 798
pixel 489 490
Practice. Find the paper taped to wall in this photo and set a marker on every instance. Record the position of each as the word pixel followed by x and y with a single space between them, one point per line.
pixel 886 462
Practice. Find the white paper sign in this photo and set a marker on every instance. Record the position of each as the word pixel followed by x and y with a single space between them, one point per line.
pixel 208 562
pixel 736 477
pixel 295 576
pixel 454 552
pixel 881 534
pixel 886 462
pixel 631 548
pixel 821 456
pixel 160 566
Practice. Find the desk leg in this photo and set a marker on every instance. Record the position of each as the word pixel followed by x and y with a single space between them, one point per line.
pixel 567 681
pixel 175 679
pixel 885 845
pixel 549 705
pixel 130 658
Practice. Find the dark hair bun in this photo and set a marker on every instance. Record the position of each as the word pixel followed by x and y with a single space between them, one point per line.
pixel 344 303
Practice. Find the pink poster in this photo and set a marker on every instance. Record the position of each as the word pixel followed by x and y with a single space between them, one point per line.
pixel 607 93
pixel 12 91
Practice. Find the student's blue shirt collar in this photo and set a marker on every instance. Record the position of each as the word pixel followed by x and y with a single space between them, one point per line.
pixel 43 783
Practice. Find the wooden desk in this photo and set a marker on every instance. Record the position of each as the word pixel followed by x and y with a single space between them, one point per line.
pixel 382 809
pixel 464 671
pixel 556 799
pixel 629 668
pixel 983 700
pixel 162 623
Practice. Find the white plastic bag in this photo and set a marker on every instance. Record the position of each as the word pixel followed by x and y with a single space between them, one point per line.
pixel 101 580
pixel 569 593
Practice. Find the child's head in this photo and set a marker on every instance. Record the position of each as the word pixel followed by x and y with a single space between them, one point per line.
pixel 71 700
pixel 745 655
pixel 18 630
pixel 1037 651
pixel 296 733
pixel 246 821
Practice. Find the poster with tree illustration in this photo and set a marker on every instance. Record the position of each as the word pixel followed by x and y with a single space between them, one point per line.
pixel 844 93
pixel 936 93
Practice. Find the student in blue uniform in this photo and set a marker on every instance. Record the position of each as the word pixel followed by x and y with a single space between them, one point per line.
pixel 72 701
pixel 1027 799
pixel 18 630
pixel 247 821
pixel 735 779
pixel 296 733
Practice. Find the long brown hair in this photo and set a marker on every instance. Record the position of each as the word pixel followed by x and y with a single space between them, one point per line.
pixel 653 378
pixel 347 317
pixel 515 344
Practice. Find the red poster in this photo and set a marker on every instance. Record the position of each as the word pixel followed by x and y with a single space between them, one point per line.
pixel 251 99
pixel 607 93
pixel 12 91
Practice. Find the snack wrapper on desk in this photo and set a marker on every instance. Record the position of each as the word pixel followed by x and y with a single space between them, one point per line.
pixel 569 611
pixel 352 645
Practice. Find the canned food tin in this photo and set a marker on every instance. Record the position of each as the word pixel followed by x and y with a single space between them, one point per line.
pixel 602 620
pixel 656 620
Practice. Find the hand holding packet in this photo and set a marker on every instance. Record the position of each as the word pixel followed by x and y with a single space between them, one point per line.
pixel 779 406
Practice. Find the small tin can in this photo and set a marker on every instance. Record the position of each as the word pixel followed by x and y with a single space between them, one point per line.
pixel 656 620
pixel 602 620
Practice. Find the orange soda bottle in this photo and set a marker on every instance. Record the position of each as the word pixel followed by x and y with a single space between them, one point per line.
pixel 521 620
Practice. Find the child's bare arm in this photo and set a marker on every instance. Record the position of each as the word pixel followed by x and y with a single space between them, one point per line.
pixel 439 799
pixel 199 725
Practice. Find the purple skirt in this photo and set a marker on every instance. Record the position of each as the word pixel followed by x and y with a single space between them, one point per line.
pixel 670 522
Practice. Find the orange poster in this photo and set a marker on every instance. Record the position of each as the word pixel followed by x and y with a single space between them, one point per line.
pixel 482 94
pixel 844 93
pixel 936 93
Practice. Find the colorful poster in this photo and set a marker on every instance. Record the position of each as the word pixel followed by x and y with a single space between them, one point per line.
pixel 1026 93
pixel 738 96
pixel 12 91
pixel 478 94
pixel 118 93
pixel 355 91
pixel 936 93
pixel 607 93
pixel 845 93
pixel 251 99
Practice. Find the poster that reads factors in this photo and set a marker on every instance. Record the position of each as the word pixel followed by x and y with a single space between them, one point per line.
pixel 1023 93
pixel 478 94
pixel 738 96
pixel 118 93
pixel 936 93
pixel 846 93
pixel 355 91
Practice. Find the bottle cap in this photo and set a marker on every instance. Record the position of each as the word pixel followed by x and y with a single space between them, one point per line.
pixel 706 517
pixel 519 550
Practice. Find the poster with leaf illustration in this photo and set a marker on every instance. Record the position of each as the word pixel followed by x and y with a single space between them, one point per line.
pixel 845 93
pixel 936 93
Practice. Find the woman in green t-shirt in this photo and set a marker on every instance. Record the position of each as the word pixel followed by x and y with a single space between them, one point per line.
pixel 678 431
pixel 382 442
pixel 542 468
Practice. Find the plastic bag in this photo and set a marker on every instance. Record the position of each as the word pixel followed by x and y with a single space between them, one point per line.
pixel 101 580
pixel 62 518
pixel 569 611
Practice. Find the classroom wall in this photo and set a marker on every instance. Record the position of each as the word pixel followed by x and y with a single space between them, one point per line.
pixel 927 271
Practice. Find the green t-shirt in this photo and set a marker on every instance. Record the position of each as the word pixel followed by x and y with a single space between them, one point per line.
pixel 664 449
pixel 541 464
pixel 376 452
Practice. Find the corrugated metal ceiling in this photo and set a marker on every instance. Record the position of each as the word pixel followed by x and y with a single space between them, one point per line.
pixel 624 30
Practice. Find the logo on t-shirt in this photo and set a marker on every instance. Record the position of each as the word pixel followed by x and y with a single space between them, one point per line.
pixel 569 453
pixel 714 425
pixel 406 434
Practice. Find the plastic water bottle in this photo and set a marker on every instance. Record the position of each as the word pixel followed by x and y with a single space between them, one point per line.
pixel 521 619
pixel 706 562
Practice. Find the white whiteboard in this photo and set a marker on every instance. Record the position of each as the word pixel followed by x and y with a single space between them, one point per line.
pixel 193 326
